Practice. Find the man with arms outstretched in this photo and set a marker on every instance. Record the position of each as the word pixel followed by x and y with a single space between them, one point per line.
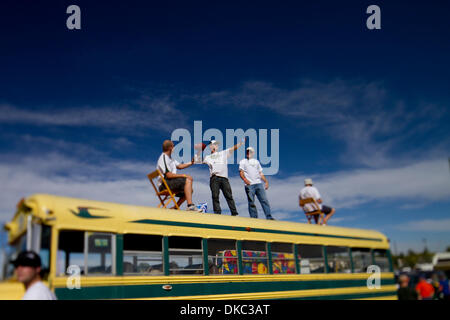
pixel 218 168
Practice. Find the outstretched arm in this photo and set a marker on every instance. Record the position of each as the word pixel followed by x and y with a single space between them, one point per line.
pixel 236 146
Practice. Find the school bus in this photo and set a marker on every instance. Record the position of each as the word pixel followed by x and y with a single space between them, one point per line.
pixel 100 250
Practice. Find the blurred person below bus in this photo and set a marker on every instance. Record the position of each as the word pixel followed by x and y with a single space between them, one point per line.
pixel 405 292
pixel 28 271
pixel 424 289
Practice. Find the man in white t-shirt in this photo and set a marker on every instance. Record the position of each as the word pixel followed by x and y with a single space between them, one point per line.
pixel 180 184
pixel 218 169
pixel 28 271
pixel 251 173
pixel 311 192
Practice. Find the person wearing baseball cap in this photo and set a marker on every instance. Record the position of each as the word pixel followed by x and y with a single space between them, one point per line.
pixel 28 271
pixel 311 192
pixel 251 173
pixel 218 169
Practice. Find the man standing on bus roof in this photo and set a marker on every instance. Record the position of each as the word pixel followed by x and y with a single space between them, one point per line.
pixel 28 271
pixel 251 173
pixel 180 184
pixel 218 168
pixel 311 192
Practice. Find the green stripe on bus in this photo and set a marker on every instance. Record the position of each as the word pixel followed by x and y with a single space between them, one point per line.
pixel 297 260
pixel 239 255
pixel 205 257
pixel 166 262
pixel 232 228
pixel 119 254
pixel 269 256
pixel 198 289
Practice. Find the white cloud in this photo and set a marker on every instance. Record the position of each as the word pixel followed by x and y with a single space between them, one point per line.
pixel 429 225
pixel 361 114
pixel 142 113
pixel 126 182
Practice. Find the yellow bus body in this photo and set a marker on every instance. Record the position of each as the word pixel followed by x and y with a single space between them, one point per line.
pixel 63 213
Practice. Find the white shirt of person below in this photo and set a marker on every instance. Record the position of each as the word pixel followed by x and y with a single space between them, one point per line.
pixel 311 192
pixel 28 271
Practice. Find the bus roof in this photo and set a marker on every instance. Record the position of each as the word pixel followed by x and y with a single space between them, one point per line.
pixel 81 214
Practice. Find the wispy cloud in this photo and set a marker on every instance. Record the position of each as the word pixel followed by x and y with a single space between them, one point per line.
pixel 429 225
pixel 126 182
pixel 144 112
pixel 363 115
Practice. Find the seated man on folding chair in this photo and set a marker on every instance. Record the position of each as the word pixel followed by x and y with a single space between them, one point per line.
pixel 311 192
pixel 179 184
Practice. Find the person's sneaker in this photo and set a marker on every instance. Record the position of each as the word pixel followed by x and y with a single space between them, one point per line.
pixel 191 207
pixel 271 218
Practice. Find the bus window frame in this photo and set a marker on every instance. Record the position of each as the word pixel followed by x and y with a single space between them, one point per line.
pixel 85 252
pixel 293 251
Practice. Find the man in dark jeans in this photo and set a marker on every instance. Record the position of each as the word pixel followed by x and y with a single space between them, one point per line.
pixel 218 168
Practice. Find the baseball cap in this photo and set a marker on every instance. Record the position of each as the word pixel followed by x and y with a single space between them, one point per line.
pixel 251 149
pixel 308 181
pixel 27 259
pixel 214 142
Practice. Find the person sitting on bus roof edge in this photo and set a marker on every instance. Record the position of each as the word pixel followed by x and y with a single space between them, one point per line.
pixel 28 271
pixel 311 192
pixel 180 184
pixel 251 173
pixel 218 168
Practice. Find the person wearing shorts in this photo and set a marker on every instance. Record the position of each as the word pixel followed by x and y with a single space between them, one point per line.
pixel 180 184
pixel 311 192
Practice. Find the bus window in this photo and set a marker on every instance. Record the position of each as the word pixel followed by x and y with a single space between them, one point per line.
pixel 70 251
pixel 142 255
pixel 222 256
pixel 362 258
pixel 44 251
pixel 311 258
pixel 338 260
pixel 381 259
pixel 254 257
pixel 283 261
pixel 99 253
pixel 185 255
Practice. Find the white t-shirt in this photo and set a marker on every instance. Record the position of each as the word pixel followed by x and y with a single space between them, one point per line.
pixel 171 165
pixel 218 163
pixel 38 291
pixel 252 170
pixel 310 192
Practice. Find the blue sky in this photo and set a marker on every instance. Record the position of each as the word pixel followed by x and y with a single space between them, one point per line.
pixel 363 112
